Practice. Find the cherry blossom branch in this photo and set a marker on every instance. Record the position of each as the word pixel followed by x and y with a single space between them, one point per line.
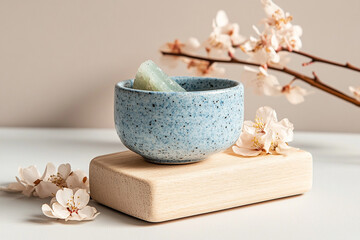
pixel 314 59
pixel 313 81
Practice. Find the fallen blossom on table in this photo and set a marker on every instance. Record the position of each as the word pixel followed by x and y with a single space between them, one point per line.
pixel 26 181
pixel 265 135
pixel 30 182
pixel 70 206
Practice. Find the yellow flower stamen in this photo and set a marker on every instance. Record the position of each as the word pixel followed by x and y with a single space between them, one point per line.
pixel 256 144
pixel 259 125
pixel 71 206
pixel 57 180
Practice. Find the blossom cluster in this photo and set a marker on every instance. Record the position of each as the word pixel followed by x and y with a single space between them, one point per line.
pixel 264 49
pixel 31 182
pixel 265 135
pixel 60 183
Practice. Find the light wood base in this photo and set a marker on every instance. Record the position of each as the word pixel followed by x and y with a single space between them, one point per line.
pixel 156 193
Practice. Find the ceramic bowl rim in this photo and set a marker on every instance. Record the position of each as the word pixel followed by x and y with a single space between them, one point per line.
pixel 237 84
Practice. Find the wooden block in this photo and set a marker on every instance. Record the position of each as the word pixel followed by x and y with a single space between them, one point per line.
pixel 156 193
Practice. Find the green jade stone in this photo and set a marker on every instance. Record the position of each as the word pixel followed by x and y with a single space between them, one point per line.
pixel 150 77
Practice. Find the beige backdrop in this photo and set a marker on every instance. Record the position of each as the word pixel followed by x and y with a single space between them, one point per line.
pixel 60 59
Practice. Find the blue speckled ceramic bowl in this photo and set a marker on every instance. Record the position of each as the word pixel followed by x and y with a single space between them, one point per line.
pixel 180 127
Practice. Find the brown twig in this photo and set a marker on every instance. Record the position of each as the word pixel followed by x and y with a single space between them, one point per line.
pixel 314 59
pixel 313 81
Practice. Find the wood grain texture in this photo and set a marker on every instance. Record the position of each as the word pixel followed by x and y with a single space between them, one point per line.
pixel 156 193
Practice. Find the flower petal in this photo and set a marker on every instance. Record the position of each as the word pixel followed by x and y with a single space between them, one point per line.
pixel 49 170
pixel 74 217
pixel 294 98
pixel 60 211
pixel 20 172
pixel 274 42
pixel 64 170
pixel 20 181
pixel 221 19
pixel 245 140
pixel 47 211
pixel 246 152
pixel 52 201
pixel 284 149
pixel 297 30
pixel 294 94
pixel 192 45
pixel 256 30
pixel 249 126
pixel 29 189
pixel 250 69
pixel 267 114
pixel 81 198
pixel 88 213
pixel 46 189
pixel 30 175
pixel 236 38
pixel 270 86
pixel 13 187
pixel 284 130
pixel 78 179
pixel 64 197
pixel 266 140
pixel 270 8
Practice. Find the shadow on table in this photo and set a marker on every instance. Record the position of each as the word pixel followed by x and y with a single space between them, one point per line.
pixel 24 204
pixel 41 219
pixel 124 218
pixel 117 217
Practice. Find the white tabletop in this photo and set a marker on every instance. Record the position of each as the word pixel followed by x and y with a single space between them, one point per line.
pixel 331 210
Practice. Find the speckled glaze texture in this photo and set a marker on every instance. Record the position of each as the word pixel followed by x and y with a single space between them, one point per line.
pixel 180 127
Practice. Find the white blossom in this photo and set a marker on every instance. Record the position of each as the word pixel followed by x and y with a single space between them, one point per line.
pixel 30 182
pixel 266 135
pixel 70 206
pixel 262 82
pixel 294 94
pixel 222 25
pixel 223 37
pixel 27 181
pixel 262 50
pixel 275 15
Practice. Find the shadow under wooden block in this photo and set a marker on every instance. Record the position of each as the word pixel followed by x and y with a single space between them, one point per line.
pixel 126 182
